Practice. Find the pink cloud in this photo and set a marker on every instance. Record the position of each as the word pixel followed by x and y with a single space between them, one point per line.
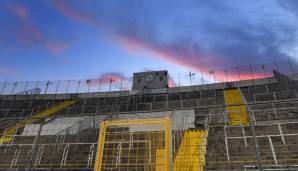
pixel 171 82
pixel 56 47
pixel 183 57
pixel 176 55
pixel 28 34
pixel 196 63
pixel 21 12
pixel 107 78
pixel 70 12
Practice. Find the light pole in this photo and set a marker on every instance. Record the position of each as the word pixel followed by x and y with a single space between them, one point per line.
pixel 190 74
pixel 111 80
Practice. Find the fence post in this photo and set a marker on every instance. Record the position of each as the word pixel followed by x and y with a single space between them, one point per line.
pixel 99 85
pixel 57 87
pixel 190 74
pixel 37 83
pixel 3 87
pixel 263 67
pixel 121 83
pixel 226 72
pixel 26 86
pixel 238 72
pixel 252 74
pixel 14 87
pixel 79 82
pixel 252 124
pixel 89 84
pixel 252 120
pixel 67 86
pixel 35 143
pixel 179 79
pixel 202 76
pixel 47 86
pixel 251 71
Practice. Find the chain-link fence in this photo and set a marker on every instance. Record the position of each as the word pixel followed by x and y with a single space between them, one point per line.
pixel 110 83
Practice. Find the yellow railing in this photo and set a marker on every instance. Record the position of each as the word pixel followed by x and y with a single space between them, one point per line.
pixel 191 152
pixel 236 108
pixel 9 132
pixel 146 144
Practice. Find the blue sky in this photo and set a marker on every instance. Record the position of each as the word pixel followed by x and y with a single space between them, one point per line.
pixel 61 39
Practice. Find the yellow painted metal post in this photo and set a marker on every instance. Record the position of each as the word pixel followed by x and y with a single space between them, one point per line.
pixel 160 159
pixel 168 143
pixel 100 146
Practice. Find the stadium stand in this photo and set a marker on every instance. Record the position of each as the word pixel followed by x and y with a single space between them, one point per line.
pixel 242 125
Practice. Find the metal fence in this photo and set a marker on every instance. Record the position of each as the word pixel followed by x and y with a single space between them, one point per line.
pixel 198 77
pixel 71 142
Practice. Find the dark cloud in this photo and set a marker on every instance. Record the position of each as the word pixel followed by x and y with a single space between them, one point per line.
pixel 195 33
pixel 290 5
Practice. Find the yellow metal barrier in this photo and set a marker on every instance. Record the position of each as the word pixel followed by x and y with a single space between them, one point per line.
pixel 237 111
pixel 143 144
pixel 8 133
pixel 191 152
pixel 160 159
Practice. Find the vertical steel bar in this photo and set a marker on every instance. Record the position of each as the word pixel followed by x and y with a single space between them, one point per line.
pixel 264 70
pixel 3 87
pixel 258 154
pixel 26 86
pixel 252 73
pixel 37 83
pixel 238 71
pixel 226 72
pixel 272 150
pixel 47 85
pixel 57 87
pixel 214 76
pixel 34 148
pixel 67 86
pixel 14 87
pixel 202 76
pixel 79 82
pixel 89 84
pixel 99 85
pixel 121 83
pixel 252 125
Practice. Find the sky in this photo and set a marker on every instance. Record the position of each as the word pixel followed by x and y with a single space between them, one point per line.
pixel 81 39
